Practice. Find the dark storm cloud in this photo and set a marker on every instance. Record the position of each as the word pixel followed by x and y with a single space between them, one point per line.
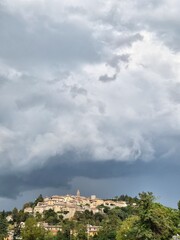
pixel 59 172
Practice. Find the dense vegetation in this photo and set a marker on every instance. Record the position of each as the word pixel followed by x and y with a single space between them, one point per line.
pixel 142 219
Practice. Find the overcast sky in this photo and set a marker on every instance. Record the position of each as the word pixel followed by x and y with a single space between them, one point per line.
pixel 89 98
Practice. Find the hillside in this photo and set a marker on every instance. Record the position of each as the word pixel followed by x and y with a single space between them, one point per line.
pixel 76 217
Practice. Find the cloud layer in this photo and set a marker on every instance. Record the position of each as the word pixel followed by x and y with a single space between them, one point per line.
pixel 98 80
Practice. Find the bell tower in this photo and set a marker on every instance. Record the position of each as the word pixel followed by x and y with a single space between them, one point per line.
pixel 78 193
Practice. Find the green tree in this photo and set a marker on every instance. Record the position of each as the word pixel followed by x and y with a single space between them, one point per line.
pixel 28 204
pixel 38 199
pixel 127 199
pixel 3 227
pixel 154 221
pixel 126 231
pixel 32 231
pixel 178 205
pixel 51 217
pixel 59 235
pixel 108 228
pixel 68 230
pixel 81 232
pixel 39 217
pixel 98 217
pixel 15 215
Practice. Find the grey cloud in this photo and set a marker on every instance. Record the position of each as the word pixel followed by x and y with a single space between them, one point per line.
pixel 127 128
pixel 75 91
pixel 114 61
pixel 106 78
pixel 128 40
pixel 167 31
pixel 45 42
pixel 47 119
pixel 2 80
pixel 59 173
pixel 153 19
pixel 175 92
pixel 30 101
pixel 151 4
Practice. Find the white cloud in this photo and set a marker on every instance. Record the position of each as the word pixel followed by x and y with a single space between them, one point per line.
pixel 51 99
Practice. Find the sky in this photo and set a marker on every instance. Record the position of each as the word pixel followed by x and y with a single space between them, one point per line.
pixel 89 99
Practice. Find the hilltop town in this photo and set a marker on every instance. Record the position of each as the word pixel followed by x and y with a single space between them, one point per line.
pixel 51 212
pixel 76 217
pixel 70 204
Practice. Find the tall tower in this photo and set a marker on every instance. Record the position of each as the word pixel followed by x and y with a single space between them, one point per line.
pixel 78 193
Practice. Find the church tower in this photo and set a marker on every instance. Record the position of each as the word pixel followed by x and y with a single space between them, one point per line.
pixel 78 193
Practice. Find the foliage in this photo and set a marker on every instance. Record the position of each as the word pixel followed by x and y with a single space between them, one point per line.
pixel 66 231
pixel 81 232
pixel 3 226
pixel 127 199
pixel 145 220
pixel 154 221
pixel 178 205
pixel 28 204
pixel 126 229
pixel 109 226
pixel 51 217
pixel 32 231
pixel 15 213
pixel 38 199
pixel 87 217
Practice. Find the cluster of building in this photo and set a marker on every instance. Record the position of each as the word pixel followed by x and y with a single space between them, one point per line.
pixel 67 206
pixel 70 204
pixel 90 229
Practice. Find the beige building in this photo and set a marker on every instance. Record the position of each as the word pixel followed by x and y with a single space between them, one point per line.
pixel 70 204
pixel 51 228
pixel 28 210
pixel 92 230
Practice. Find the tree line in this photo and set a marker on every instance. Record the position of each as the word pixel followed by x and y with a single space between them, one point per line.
pixel 142 219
